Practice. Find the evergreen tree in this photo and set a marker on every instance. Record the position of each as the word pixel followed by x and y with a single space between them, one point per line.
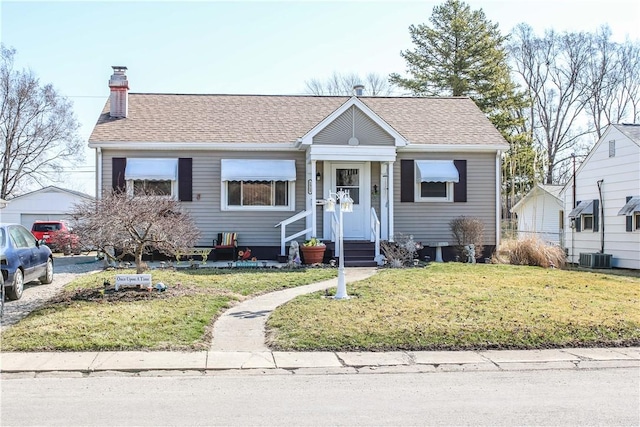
pixel 462 53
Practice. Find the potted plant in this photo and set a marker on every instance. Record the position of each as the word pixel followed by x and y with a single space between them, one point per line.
pixel 313 251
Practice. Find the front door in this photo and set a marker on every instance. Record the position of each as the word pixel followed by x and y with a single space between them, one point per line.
pixel 354 178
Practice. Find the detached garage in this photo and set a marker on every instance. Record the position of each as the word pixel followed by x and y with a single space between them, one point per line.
pixel 49 203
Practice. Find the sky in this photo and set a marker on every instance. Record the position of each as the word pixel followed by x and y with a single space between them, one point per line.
pixel 243 47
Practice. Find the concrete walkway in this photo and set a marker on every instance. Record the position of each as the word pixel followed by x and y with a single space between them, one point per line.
pixel 242 328
pixel 239 347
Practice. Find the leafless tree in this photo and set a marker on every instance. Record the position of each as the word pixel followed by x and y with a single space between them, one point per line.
pixel 578 83
pixel 134 225
pixel 342 84
pixel 37 126
pixel 551 69
pixel 613 81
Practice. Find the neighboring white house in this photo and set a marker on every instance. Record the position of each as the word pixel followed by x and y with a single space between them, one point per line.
pixel 540 214
pixel 49 203
pixel 604 218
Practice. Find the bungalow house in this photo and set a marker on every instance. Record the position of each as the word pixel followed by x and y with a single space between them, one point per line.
pixel 602 202
pixel 262 166
pixel 540 214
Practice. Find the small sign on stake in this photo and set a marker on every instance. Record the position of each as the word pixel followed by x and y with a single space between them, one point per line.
pixel 133 280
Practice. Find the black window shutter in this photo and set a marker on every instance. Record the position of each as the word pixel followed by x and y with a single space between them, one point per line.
pixel 185 175
pixel 460 187
pixel 629 218
pixel 578 219
pixel 407 181
pixel 596 215
pixel 118 165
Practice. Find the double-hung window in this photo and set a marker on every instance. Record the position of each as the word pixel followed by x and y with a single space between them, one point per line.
pixel 585 215
pixel 258 184
pixel 435 180
pixel 157 177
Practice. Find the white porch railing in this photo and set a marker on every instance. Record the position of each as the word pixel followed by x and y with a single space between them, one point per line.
pixel 283 231
pixel 375 232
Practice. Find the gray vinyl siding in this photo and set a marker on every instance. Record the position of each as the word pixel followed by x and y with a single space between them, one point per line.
pixel 429 222
pixel 253 227
pixel 340 130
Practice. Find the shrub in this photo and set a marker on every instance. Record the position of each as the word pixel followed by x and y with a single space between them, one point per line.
pixel 401 251
pixel 467 230
pixel 533 251
pixel 64 241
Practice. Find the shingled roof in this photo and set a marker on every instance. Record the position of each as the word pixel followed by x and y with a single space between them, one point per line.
pixel 280 119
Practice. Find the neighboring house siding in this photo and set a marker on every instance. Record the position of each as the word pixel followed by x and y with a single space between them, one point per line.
pixel 253 227
pixel 341 129
pixel 621 178
pixel 429 221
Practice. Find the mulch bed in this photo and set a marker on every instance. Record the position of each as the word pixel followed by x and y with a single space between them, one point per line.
pixel 127 294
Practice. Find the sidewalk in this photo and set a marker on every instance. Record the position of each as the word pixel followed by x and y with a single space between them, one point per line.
pixel 276 362
pixel 239 346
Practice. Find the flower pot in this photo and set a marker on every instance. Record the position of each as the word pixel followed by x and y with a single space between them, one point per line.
pixel 312 254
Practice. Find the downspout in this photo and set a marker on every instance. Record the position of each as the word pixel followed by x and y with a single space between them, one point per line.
pixel 98 173
pixel 390 197
pixel 601 216
pixel 498 204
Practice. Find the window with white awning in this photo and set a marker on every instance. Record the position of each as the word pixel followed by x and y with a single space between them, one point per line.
pixel 435 179
pixel 252 184
pixel 151 176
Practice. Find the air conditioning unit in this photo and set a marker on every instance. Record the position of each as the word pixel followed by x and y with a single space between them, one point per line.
pixel 595 260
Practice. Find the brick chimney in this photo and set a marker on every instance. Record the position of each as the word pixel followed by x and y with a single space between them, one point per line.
pixel 119 86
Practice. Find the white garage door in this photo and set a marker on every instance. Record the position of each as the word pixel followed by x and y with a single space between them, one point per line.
pixel 28 219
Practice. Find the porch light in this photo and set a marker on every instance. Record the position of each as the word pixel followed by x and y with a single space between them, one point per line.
pixel 345 205
pixel 318 176
pixel 330 204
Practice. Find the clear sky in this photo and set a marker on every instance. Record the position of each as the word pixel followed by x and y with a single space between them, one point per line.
pixel 245 47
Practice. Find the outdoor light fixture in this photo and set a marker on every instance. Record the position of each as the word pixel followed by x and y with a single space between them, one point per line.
pixel 345 204
pixel 318 176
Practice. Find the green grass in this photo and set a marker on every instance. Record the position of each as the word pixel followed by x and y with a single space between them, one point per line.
pixel 180 318
pixel 459 306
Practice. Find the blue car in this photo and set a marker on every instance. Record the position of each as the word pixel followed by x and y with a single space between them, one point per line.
pixel 23 259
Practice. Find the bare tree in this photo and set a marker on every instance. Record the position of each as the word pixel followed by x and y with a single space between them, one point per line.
pixel 134 225
pixel 37 126
pixel 551 69
pixel 342 84
pixel 578 83
pixel 613 81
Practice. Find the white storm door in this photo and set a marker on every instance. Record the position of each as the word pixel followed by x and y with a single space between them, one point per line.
pixel 356 179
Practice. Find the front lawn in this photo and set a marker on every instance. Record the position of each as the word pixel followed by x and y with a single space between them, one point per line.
pixel 86 318
pixel 457 306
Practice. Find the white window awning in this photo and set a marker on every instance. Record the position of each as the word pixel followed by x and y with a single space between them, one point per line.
pixel 437 171
pixel 151 169
pixel 258 170
pixel 584 208
pixel 632 206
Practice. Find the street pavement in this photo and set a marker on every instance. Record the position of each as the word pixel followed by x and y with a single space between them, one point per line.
pixel 239 346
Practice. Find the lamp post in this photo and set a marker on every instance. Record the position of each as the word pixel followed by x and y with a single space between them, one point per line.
pixel 345 204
